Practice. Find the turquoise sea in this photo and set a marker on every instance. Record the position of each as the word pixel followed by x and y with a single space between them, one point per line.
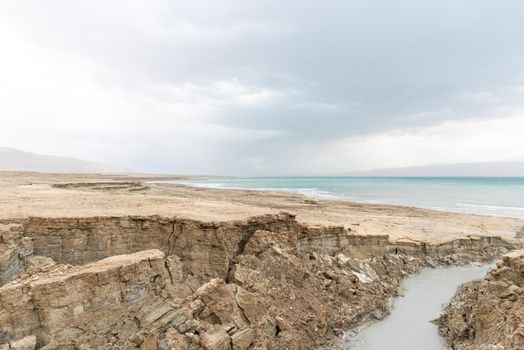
pixel 499 196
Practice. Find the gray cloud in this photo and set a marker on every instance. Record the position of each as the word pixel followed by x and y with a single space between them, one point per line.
pixel 224 87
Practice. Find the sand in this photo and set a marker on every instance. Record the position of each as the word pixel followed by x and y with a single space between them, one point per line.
pixel 25 194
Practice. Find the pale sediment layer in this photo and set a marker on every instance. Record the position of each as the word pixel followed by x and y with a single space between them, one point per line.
pixel 488 313
pixel 111 262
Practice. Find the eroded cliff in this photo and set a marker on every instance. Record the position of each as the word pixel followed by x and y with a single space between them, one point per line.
pixel 268 282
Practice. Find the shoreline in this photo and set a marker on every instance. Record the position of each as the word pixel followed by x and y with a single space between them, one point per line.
pixel 67 195
pixel 493 209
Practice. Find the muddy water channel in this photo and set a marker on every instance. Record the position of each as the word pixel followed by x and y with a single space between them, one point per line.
pixel 409 327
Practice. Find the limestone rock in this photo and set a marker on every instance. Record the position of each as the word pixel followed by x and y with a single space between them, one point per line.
pixel 150 343
pixel 253 307
pixel 220 302
pixel 176 341
pixel 93 298
pixel 267 282
pixel 15 251
pixel 243 339
pixel 216 339
pixel 26 343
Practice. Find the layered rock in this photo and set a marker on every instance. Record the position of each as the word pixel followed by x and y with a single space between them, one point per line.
pixel 488 313
pixel 142 300
pixel 17 253
pixel 207 248
pixel 171 283
pixel 215 244
pixel 65 303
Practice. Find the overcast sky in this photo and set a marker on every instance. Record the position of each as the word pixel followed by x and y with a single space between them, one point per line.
pixel 264 87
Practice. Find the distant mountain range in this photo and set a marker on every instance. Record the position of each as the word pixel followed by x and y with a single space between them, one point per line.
pixel 487 169
pixel 12 159
pixel 16 160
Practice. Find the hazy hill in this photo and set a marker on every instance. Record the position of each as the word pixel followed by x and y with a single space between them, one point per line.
pixel 461 169
pixel 16 160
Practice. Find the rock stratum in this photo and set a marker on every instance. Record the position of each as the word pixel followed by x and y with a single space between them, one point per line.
pixel 170 283
pixel 488 313
pixel 81 268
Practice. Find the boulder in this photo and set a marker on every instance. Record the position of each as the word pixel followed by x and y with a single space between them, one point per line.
pixel 216 338
pixel 243 339
pixel 253 308
pixel 26 343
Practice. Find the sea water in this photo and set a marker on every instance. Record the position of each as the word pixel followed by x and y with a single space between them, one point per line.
pixel 487 196
pixel 409 327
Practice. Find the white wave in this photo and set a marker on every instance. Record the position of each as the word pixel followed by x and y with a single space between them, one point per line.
pixel 490 206
pixel 200 184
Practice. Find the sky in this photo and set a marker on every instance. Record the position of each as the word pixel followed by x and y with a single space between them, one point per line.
pixel 264 87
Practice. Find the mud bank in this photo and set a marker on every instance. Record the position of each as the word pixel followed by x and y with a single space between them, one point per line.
pixel 153 282
pixel 488 313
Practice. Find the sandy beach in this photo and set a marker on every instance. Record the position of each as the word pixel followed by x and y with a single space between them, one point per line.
pixel 26 194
